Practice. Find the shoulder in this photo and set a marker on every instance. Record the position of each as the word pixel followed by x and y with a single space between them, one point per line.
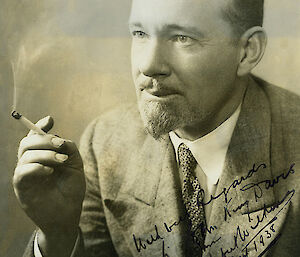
pixel 283 103
pixel 285 122
pixel 284 99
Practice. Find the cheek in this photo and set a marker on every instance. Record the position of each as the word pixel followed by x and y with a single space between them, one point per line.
pixel 207 68
pixel 206 76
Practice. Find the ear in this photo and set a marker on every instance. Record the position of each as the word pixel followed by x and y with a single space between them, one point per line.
pixel 252 44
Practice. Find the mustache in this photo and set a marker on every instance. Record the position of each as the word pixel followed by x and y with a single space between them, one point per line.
pixel 154 85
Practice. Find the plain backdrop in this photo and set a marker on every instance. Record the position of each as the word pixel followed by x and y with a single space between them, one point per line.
pixel 72 61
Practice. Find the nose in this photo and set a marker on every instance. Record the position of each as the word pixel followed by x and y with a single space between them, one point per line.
pixel 153 62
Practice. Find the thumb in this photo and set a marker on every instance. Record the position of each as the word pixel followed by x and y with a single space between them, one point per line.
pixel 45 124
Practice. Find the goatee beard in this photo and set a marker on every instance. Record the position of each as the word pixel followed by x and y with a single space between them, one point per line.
pixel 161 118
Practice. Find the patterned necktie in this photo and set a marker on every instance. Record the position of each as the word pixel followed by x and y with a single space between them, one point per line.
pixel 190 192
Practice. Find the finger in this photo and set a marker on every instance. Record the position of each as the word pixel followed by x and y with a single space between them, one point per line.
pixel 45 124
pixel 27 175
pixel 70 148
pixel 44 157
pixel 72 151
pixel 40 142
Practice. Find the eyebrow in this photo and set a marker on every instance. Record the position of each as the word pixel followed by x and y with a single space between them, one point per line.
pixel 190 29
pixel 170 27
pixel 134 24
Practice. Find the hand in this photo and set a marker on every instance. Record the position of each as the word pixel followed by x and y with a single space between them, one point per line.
pixel 49 184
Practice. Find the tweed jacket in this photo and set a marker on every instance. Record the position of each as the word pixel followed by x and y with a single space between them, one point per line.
pixel 133 203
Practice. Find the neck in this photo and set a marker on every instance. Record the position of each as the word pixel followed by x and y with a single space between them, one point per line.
pixel 199 129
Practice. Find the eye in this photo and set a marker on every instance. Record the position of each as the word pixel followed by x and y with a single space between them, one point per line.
pixel 183 40
pixel 139 34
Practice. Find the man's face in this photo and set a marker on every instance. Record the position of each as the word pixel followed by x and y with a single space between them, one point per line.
pixel 184 62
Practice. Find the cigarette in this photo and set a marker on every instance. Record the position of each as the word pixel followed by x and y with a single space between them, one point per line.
pixel 27 123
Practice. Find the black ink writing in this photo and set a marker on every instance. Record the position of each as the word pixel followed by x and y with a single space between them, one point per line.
pixel 240 235
pixel 140 245
pixel 267 210
pixel 233 185
pixel 270 183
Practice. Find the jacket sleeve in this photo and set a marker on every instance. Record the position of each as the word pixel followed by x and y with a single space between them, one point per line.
pixel 78 250
pixel 96 235
pixel 29 249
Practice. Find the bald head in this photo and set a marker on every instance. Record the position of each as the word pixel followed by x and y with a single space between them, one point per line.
pixel 244 14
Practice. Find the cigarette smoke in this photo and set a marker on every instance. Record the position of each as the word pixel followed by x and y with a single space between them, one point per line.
pixel 23 63
pixel 30 42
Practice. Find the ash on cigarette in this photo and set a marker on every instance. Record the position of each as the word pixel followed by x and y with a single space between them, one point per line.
pixel 16 115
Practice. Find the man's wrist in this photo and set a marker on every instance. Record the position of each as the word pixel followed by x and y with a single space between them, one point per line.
pixel 58 243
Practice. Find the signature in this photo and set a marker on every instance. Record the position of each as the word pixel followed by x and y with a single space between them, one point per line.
pixel 267 210
pixel 268 230
pixel 239 235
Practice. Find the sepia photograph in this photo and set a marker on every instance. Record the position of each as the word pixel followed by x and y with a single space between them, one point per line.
pixel 150 128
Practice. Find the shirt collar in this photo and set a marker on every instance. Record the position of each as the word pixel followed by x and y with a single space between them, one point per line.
pixel 210 150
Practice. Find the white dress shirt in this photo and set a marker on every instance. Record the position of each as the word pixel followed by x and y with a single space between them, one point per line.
pixel 209 152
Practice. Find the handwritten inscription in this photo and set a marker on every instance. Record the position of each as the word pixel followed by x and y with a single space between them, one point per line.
pixel 240 235
pixel 266 232
pixel 155 237
pixel 233 185
pixel 243 238
pixel 268 183
pixel 266 210
pixel 152 238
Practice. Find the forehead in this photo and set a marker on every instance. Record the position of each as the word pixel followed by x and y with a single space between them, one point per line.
pixel 158 13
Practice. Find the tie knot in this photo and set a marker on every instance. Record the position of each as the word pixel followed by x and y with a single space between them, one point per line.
pixel 186 158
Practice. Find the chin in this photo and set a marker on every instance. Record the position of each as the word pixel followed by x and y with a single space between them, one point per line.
pixel 161 118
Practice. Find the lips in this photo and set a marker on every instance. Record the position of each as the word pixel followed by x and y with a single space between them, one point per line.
pixel 161 92
pixel 158 89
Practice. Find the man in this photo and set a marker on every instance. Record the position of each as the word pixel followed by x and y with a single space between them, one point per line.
pixel 210 169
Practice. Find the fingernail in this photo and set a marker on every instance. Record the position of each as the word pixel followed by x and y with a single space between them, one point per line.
pixel 43 121
pixel 48 170
pixel 61 157
pixel 57 142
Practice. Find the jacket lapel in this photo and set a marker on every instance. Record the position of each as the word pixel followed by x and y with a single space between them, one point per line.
pixel 247 162
pixel 149 202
